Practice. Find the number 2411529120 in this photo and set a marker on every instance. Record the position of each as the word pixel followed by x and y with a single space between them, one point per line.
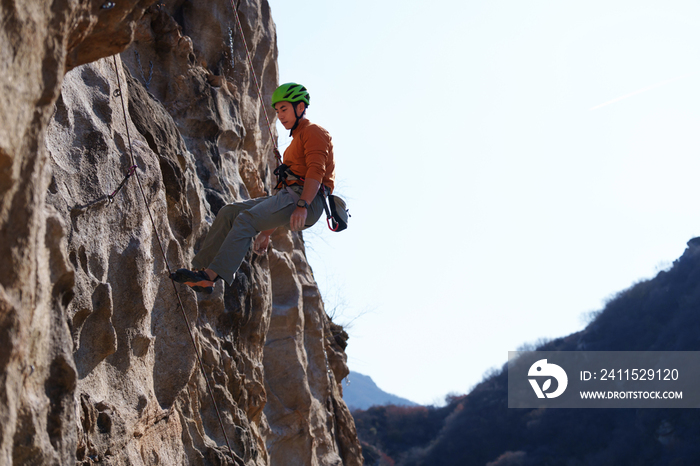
pixel 639 374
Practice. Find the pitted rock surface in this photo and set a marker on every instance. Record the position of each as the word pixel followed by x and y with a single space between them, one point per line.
pixel 96 360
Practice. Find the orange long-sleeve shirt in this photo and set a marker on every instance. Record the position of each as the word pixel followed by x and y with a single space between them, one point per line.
pixel 310 155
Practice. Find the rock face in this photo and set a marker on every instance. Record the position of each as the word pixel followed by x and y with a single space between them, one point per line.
pixel 96 360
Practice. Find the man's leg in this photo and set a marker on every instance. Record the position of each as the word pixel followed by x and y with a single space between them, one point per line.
pixel 219 230
pixel 271 212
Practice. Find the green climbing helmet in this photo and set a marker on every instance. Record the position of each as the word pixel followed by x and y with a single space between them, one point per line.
pixel 290 92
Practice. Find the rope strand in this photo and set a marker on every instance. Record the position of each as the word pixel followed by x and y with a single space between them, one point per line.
pixel 235 457
pixel 257 86
pixel 160 244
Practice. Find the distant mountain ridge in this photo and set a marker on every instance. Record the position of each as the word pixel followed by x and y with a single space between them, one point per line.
pixel 478 429
pixel 362 393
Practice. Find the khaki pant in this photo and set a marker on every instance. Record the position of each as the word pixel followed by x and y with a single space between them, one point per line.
pixel 235 226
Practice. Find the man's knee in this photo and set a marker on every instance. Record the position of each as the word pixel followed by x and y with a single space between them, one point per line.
pixel 244 221
pixel 229 212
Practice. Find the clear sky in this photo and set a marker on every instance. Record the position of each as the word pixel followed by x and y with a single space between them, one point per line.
pixel 508 166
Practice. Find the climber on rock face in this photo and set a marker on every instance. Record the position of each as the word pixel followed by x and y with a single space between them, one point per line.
pixel 306 175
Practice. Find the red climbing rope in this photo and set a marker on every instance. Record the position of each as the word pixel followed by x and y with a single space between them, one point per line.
pixel 257 86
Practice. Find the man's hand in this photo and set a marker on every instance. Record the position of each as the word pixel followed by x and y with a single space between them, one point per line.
pixel 298 220
pixel 262 242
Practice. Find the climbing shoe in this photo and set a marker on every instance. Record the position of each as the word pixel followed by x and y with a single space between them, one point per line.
pixel 198 280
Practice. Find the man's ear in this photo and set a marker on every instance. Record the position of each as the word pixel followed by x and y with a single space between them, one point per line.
pixel 300 108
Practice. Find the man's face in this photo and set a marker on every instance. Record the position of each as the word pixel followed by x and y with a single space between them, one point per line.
pixel 285 113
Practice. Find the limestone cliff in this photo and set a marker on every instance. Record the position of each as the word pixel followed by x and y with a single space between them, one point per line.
pixel 96 361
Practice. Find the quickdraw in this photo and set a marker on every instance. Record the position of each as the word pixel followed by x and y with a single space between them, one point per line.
pixel 130 172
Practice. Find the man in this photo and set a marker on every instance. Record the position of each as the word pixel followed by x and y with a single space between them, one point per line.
pixel 298 202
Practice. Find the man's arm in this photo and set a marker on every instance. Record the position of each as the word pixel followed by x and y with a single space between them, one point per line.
pixel 298 220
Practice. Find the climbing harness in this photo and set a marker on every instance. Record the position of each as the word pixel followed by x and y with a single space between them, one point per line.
pixel 133 168
pixel 284 173
pixel 336 210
